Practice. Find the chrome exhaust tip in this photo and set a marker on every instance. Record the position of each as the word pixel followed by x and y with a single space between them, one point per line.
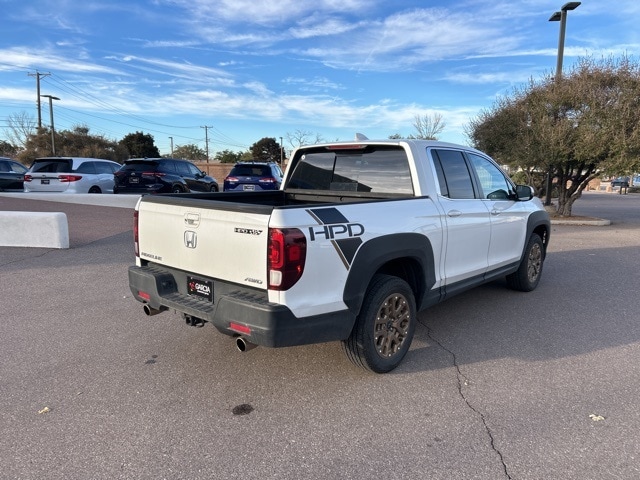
pixel 243 345
pixel 152 311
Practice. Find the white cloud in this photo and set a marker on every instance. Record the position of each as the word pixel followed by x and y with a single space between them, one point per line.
pixel 45 58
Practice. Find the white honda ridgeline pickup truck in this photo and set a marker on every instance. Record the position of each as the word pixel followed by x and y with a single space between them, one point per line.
pixel 359 238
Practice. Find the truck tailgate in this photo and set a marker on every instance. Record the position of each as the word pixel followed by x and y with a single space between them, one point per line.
pixel 220 243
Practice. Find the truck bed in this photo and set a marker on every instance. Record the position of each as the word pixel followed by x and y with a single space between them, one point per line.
pixel 264 202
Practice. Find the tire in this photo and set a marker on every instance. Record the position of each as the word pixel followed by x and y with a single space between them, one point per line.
pixel 176 189
pixel 527 277
pixel 213 188
pixel 95 189
pixel 385 326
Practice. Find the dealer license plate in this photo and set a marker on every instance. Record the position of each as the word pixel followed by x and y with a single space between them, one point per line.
pixel 200 288
pixel 44 181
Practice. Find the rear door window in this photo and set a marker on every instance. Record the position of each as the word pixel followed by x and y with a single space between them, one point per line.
pixel 105 167
pixel 183 168
pixel 167 166
pixel 87 167
pixel 454 176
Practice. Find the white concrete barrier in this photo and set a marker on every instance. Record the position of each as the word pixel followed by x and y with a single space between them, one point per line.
pixel 34 229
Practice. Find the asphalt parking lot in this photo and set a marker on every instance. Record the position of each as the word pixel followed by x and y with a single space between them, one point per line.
pixel 498 384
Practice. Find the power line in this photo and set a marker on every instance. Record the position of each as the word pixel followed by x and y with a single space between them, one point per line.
pixel 92 99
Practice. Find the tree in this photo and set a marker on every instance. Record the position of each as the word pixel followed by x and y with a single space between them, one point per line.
pixel 7 149
pixel 77 142
pixel 266 150
pixel 227 156
pixel 21 127
pixel 581 126
pixel 140 145
pixel 429 126
pixel 303 137
pixel 189 152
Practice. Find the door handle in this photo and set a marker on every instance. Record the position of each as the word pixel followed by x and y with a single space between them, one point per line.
pixel 454 213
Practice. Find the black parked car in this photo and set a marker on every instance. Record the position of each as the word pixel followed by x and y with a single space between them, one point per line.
pixel 248 176
pixel 162 175
pixel 11 175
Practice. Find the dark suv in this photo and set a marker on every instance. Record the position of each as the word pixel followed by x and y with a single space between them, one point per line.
pixel 247 176
pixel 162 175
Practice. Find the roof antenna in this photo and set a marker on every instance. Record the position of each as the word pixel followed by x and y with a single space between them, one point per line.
pixel 360 137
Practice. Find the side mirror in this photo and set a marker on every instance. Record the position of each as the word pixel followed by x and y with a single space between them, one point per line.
pixel 524 192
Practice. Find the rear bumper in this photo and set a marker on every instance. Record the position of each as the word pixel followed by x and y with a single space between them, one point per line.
pixel 271 325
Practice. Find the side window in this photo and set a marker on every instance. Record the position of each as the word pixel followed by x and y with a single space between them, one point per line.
pixel 4 167
pixel 87 167
pixel 492 181
pixel 193 169
pixel 18 167
pixel 453 175
pixel 183 168
pixel 168 167
pixel 103 167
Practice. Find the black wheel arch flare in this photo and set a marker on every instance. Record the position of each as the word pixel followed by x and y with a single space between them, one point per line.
pixel 538 222
pixel 406 255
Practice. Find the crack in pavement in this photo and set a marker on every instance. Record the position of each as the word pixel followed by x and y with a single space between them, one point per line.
pixel 464 381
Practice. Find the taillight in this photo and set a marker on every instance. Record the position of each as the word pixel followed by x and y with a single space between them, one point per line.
pixel 267 180
pixel 287 252
pixel 28 178
pixel 136 244
pixel 153 174
pixel 69 178
pixel 231 179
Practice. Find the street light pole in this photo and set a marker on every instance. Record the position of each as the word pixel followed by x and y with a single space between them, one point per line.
pixel 171 138
pixel 560 16
pixel 53 130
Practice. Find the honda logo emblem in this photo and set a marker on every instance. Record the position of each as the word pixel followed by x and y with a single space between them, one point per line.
pixel 190 239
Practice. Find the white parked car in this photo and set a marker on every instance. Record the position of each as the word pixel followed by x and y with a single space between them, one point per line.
pixel 70 175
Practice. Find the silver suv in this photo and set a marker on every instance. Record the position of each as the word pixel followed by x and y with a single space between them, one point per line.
pixel 70 175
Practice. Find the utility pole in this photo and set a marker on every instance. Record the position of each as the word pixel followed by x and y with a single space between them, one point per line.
pixel 206 139
pixel 53 129
pixel 281 152
pixel 38 75
pixel 171 138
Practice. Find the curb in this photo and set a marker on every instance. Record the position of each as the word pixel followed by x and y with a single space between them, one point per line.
pixel 594 222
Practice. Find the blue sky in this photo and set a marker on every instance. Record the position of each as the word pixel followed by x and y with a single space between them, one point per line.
pixel 251 69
